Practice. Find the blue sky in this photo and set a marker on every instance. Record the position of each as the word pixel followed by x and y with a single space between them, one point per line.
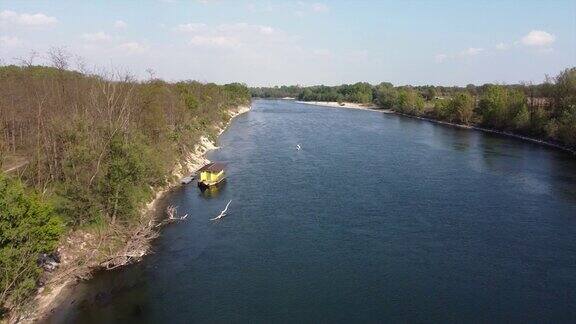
pixel 303 42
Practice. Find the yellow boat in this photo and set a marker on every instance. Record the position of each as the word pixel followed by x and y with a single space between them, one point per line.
pixel 211 175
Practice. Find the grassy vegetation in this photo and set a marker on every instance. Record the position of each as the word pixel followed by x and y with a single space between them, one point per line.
pixel 96 146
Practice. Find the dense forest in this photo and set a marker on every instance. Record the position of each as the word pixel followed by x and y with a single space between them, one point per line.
pixel 87 150
pixel 546 111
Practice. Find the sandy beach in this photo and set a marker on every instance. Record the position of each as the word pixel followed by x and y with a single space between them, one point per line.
pixel 348 105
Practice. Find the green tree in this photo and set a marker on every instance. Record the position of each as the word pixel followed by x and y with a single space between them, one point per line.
pixel 131 169
pixel 567 126
pixel 431 93
pixel 441 109
pixel 361 92
pixel 494 106
pixel 564 93
pixel 386 96
pixel 410 101
pixel 461 107
pixel 28 227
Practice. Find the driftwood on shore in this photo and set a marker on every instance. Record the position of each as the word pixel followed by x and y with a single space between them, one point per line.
pixel 136 246
pixel 172 212
pixel 223 212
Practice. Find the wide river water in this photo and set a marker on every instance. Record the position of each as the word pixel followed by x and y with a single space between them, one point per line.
pixel 377 218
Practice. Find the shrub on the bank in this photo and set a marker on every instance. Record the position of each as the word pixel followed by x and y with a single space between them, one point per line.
pixel 28 227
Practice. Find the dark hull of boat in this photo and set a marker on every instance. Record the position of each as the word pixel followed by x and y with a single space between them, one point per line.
pixel 204 185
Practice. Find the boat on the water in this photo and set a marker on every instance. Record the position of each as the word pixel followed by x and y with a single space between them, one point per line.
pixel 211 175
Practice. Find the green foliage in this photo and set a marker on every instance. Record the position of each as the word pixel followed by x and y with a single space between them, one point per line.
pixel 28 227
pixel 493 106
pixel 567 126
pixel 430 93
pixel 191 102
pixel 238 93
pixel 276 92
pixel 386 95
pixel 461 108
pixel 504 108
pixel 564 90
pixel 410 101
pixel 521 119
pixel 131 169
pixel 441 109
pixel 359 92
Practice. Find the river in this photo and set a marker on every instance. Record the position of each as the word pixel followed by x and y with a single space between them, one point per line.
pixel 377 218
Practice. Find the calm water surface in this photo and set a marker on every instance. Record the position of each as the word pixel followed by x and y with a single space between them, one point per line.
pixel 377 218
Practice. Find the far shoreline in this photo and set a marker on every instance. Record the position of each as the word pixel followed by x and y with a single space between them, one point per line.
pixel 351 105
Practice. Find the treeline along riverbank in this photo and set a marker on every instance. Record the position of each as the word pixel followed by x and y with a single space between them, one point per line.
pixel 96 148
pixel 545 111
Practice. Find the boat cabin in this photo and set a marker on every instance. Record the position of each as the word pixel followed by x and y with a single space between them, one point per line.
pixel 211 174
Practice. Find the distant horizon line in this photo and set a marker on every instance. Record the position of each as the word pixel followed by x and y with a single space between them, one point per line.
pixel 174 80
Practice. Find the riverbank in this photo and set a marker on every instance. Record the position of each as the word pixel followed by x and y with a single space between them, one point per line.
pixel 82 252
pixel 492 131
pixel 441 122
pixel 349 105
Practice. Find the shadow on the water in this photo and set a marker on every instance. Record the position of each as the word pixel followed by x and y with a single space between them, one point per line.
pixel 213 191
pixel 107 297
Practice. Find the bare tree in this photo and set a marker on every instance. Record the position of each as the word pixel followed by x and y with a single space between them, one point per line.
pixel 81 65
pixel 28 60
pixel 59 57
pixel 151 73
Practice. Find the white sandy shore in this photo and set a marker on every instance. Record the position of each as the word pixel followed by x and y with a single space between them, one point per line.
pixel 349 105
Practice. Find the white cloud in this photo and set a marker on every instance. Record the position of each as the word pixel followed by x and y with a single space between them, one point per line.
pixel 266 30
pixel 439 58
pixel 469 52
pixel 538 38
pixel 120 24
pixel 261 7
pixel 190 27
pixel 245 28
pixel 96 37
pixel 304 8
pixel 24 19
pixel 502 46
pixel 472 51
pixel 10 41
pixel 133 47
pixel 214 41
pixel 319 7
pixel 322 53
pixel 227 35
